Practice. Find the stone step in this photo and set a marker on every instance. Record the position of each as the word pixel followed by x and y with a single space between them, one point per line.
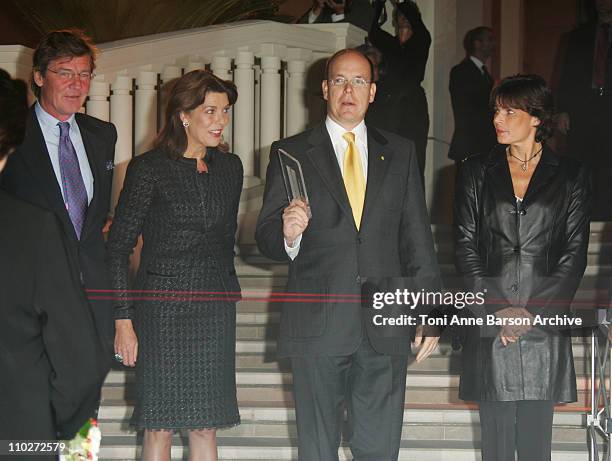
pixel 117 380
pixel 580 348
pixel 281 395
pixel 417 426
pixel 252 449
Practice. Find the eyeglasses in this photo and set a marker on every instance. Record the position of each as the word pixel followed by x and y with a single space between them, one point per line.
pixel 68 75
pixel 356 82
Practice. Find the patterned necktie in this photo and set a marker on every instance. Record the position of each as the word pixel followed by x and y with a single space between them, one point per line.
pixel 354 180
pixel 75 194
pixel 601 53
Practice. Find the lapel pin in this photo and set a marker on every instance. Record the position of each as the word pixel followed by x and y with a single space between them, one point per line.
pixel 109 165
pixel 382 157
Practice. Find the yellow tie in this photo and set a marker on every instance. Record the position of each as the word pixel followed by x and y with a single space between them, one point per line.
pixel 354 180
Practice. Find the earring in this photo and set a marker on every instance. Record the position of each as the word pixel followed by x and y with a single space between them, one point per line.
pixel 185 123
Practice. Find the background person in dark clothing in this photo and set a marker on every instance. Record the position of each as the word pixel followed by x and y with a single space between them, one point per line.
pixel 585 98
pixel 400 105
pixel 470 85
pixel 50 353
pixel 357 12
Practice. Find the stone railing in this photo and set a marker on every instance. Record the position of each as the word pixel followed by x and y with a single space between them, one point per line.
pixel 276 68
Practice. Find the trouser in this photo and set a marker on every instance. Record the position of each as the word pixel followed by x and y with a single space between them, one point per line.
pixel 524 427
pixel 372 388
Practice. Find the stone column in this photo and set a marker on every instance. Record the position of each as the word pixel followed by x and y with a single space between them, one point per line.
pixel 97 102
pixel 168 73
pixel 121 117
pixel 244 113
pixel 440 19
pixel 221 66
pixel 270 108
pixel 511 39
pixel 145 122
pixel 296 109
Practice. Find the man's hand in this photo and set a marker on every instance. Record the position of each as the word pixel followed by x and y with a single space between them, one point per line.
pixel 511 333
pixel 126 343
pixel 295 220
pixel 425 339
pixel 338 7
pixel 563 122
pixel 317 7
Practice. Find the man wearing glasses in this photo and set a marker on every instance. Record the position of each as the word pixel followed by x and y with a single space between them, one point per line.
pixel 366 218
pixel 65 163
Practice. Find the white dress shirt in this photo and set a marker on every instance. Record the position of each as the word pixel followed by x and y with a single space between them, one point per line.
pixel 478 63
pixel 51 132
pixel 312 17
pixel 340 145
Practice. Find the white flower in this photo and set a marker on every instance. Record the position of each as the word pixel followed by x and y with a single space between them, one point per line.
pixel 95 437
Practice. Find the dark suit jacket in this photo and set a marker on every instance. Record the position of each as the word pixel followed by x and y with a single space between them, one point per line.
pixel 29 176
pixel 470 90
pixel 394 240
pixel 50 353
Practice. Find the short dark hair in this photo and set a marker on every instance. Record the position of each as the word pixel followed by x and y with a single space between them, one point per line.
pixel 530 94
pixel 342 52
pixel 185 94
pixel 66 43
pixel 14 103
pixel 472 36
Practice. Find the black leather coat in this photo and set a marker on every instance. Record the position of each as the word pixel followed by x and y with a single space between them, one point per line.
pixel 531 254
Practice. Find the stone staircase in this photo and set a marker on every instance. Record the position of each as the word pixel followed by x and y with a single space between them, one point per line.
pixel 437 426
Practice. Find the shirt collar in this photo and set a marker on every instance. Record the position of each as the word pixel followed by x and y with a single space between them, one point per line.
pixel 478 62
pixel 48 121
pixel 336 131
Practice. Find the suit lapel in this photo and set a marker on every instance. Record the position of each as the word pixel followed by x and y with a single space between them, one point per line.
pixel 545 170
pixel 91 145
pixel 323 158
pixel 379 158
pixel 36 156
pixel 498 173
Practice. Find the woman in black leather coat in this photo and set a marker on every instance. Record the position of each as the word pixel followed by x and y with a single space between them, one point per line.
pixel 521 233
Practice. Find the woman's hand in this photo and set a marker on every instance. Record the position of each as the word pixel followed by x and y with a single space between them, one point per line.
pixel 511 333
pixel 126 342
pixel 425 339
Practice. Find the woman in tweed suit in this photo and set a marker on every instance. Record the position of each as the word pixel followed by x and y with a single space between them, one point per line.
pixel 179 327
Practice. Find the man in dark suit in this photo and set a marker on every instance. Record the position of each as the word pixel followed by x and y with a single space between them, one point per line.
pixel 369 220
pixel 65 162
pixel 470 86
pixel 50 352
pixel 585 102
pixel 356 12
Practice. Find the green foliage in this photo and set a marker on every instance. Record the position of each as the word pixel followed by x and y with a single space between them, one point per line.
pixel 109 20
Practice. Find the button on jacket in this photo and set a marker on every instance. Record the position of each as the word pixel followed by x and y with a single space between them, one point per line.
pixel 530 253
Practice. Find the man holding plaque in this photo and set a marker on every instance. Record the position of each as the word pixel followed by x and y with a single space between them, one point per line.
pixel 365 218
